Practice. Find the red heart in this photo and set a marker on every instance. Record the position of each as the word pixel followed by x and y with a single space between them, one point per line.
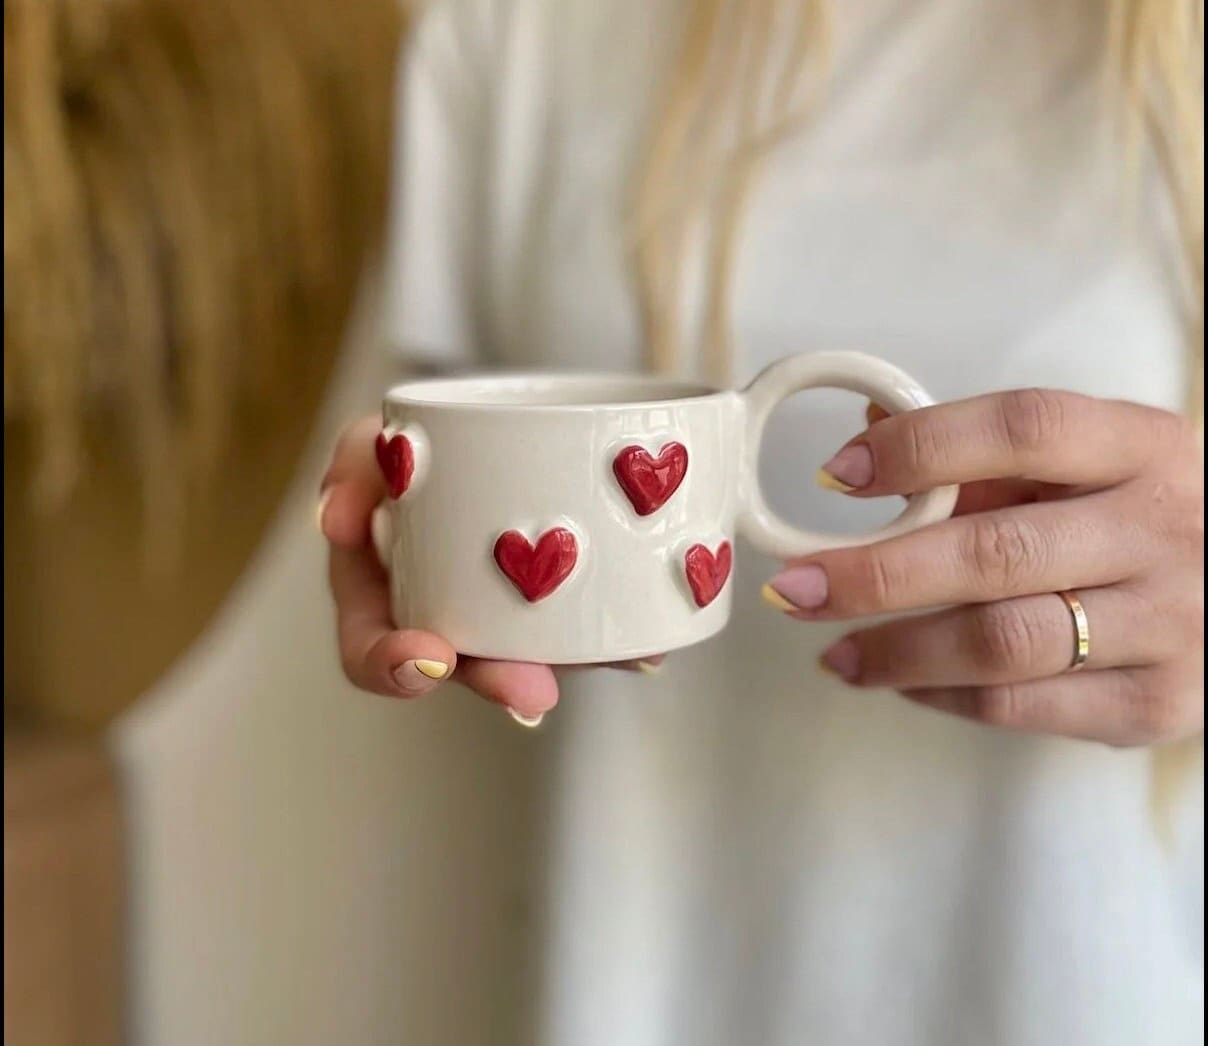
pixel 396 459
pixel 537 572
pixel 648 482
pixel 706 572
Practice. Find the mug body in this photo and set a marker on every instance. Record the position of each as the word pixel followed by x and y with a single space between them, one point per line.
pixel 564 520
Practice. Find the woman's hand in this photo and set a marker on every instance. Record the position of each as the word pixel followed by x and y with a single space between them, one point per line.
pixel 376 656
pixel 1060 492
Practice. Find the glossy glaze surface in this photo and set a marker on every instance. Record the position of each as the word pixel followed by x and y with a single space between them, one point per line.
pixel 396 459
pixel 707 571
pixel 583 519
pixel 648 481
pixel 538 568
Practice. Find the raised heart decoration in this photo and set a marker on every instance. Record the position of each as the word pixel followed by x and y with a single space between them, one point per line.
pixel 649 482
pixel 537 571
pixel 707 572
pixel 396 459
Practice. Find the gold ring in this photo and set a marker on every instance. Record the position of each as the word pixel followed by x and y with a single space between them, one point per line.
pixel 1082 631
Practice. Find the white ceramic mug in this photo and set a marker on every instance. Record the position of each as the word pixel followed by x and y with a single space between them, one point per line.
pixel 581 519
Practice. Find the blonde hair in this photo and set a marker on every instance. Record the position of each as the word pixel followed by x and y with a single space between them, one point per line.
pixel 190 188
pixel 734 91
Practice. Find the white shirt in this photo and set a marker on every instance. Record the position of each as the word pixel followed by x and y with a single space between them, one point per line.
pixel 740 849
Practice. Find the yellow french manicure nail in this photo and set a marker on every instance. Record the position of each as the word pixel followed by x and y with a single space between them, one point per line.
pixel 775 599
pixel 432 669
pixel 529 721
pixel 828 482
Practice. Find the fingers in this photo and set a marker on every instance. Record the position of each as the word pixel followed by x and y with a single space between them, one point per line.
pixel 650 666
pixel 1033 466
pixel 1035 434
pixel 352 486
pixel 1030 549
pixel 1013 641
pixel 526 690
pixel 991 494
pixel 1114 706
pixel 981 495
pixel 376 656
pixel 410 663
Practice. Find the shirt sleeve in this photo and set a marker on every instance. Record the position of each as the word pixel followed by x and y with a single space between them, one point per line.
pixel 427 293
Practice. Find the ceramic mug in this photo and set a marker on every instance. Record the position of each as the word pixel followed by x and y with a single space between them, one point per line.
pixel 578 519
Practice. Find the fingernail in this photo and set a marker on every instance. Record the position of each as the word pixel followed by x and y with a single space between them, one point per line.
pixel 417 677
pixel 802 588
pixel 321 509
pixel 775 599
pixel 432 669
pixel 874 413
pixel 842 659
pixel 529 721
pixel 828 482
pixel 850 469
pixel 650 668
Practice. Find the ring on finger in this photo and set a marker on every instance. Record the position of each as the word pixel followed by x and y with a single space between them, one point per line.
pixel 1082 631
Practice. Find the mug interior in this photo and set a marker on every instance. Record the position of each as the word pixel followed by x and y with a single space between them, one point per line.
pixel 546 390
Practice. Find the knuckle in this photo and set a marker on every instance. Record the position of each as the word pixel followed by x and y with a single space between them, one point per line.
pixel 921 446
pixel 1032 419
pixel 880 581
pixel 1004 636
pixel 1003 550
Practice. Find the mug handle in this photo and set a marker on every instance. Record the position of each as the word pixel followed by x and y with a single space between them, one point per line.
pixel 883 384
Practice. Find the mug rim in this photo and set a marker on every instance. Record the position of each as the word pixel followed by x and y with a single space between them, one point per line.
pixel 474 392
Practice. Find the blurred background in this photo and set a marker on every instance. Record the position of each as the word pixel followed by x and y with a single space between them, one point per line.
pixel 209 838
